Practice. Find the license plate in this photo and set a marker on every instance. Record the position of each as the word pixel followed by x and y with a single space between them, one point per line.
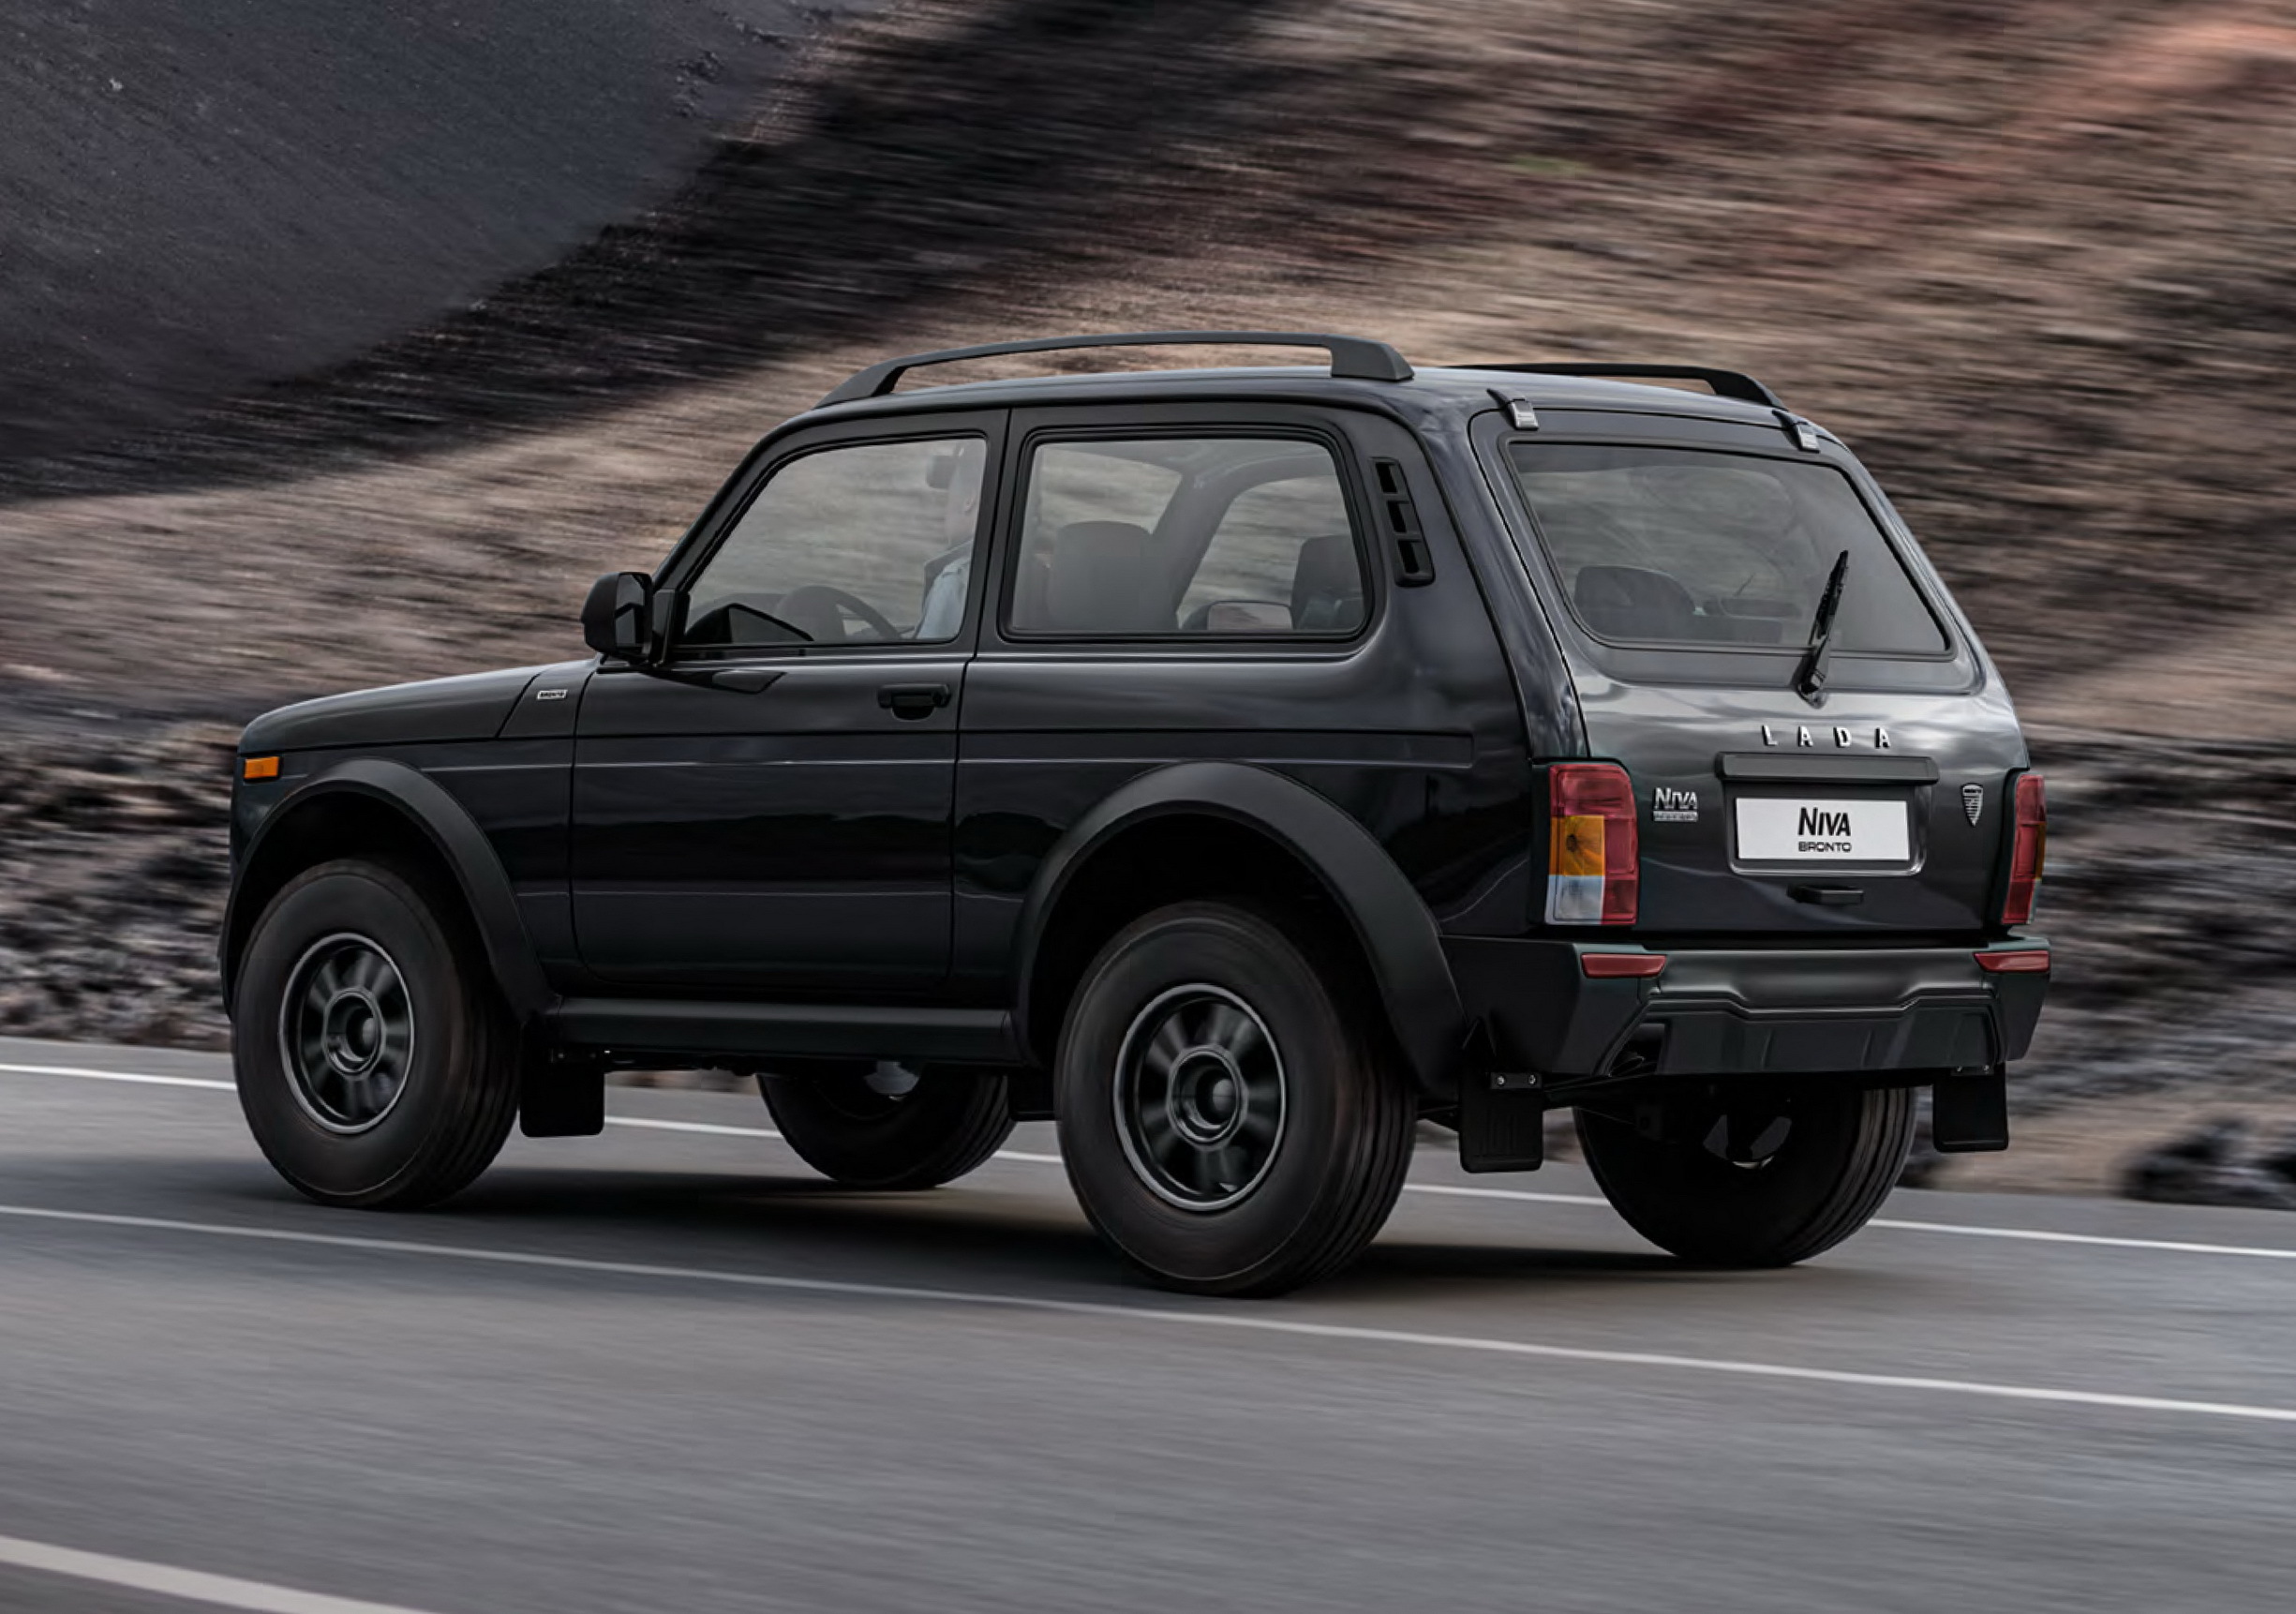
pixel 1778 829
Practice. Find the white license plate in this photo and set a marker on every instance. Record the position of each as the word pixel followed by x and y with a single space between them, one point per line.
pixel 1785 830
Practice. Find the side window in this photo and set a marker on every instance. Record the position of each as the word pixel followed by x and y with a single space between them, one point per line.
pixel 871 543
pixel 1184 536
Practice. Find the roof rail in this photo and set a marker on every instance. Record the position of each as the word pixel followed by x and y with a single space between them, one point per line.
pixel 1725 384
pixel 1353 357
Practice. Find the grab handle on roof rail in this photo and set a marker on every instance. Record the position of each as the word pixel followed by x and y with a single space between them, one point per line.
pixel 1357 358
pixel 1725 383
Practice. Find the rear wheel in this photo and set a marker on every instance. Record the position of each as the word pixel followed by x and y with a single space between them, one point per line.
pixel 376 1064
pixel 1753 1179
pixel 1226 1116
pixel 886 1126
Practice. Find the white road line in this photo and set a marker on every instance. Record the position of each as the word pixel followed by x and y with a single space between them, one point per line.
pixel 1899 1224
pixel 1460 1191
pixel 191 1585
pixel 2042 1236
pixel 1893 1224
pixel 711 1128
pixel 1229 1315
pixel 146 1079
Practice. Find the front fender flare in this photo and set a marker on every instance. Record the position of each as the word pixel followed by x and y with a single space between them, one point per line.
pixel 1396 932
pixel 458 840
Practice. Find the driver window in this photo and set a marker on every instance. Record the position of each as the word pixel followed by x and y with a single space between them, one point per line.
pixel 866 545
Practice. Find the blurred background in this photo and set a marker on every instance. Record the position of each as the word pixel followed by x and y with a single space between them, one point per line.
pixel 344 344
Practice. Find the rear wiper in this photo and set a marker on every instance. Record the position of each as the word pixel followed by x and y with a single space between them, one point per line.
pixel 1809 677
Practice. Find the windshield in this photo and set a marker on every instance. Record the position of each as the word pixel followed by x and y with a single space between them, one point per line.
pixel 1691 546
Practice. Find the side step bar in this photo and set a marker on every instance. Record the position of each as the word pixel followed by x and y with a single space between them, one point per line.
pixel 817 1030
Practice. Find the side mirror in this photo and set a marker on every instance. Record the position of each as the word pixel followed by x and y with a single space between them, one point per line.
pixel 614 617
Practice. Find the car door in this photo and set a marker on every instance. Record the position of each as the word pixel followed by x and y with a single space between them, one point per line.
pixel 1207 582
pixel 767 810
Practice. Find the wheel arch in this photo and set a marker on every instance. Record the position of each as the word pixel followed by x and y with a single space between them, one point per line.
pixel 372 804
pixel 1239 810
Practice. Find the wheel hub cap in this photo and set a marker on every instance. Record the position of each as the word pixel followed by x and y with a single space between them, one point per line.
pixel 347 1033
pixel 1200 1098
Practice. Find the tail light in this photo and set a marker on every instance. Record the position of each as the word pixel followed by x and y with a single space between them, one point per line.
pixel 2028 851
pixel 1593 859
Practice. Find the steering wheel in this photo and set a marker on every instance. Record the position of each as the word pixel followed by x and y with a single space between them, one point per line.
pixel 800 603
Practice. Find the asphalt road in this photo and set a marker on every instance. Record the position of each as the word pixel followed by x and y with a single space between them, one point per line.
pixel 668 1368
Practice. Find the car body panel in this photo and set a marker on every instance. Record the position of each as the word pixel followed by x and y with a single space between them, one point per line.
pixel 714 846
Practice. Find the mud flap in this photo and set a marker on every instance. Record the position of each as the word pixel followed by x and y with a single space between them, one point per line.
pixel 1969 1113
pixel 561 1098
pixel 1502 1121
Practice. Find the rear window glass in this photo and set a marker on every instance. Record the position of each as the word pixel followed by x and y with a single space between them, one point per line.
pixel 1685 546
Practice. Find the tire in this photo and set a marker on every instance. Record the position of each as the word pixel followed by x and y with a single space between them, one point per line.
pixel 357 962
pixel 1778 1202
pixel 866 1129
pixel 1283 1180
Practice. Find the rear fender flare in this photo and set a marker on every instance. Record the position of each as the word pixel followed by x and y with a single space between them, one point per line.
pixel 1391 923
pixel 460 843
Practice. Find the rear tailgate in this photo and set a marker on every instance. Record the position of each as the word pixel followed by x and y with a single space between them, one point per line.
pixel 1690 568
pixel 1884 815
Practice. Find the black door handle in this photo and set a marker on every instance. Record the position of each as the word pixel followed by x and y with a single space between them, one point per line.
pixel 911 701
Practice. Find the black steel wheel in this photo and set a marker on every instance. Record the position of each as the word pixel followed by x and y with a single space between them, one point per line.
pixel 1198 1096
pixel 347 1032
pixel 884 1126
pixel 375 1062
pixel 1227 1117
pixel 1764 1177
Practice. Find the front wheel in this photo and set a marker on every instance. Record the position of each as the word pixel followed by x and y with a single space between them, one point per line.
pixel 1226 1117
pixel 376 1064
pixel 1760 1179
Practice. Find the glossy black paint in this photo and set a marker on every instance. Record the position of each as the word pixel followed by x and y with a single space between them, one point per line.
pixel 1391 923
pixel 460 844
pixel 1411 730
pixel 469 707
pixel 1674 715
pixel 753 854
pixel 794 838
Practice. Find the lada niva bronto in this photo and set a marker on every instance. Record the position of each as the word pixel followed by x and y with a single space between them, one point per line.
pixel 1237 766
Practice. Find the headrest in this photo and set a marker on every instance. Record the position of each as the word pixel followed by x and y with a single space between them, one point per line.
pixel 1327 584
pixel 1105 579
pixel 1632 602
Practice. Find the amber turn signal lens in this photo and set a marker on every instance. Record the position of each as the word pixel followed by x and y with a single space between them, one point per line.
pixel 259 768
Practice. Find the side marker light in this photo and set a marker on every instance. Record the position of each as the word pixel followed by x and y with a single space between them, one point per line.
pixel 2013 962
pixel 1618 966
pixel 259 768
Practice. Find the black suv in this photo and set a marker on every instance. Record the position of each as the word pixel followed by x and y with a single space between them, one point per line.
pixel 1235 766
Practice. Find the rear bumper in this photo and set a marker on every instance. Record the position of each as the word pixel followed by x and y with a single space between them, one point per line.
pixel 1746 1011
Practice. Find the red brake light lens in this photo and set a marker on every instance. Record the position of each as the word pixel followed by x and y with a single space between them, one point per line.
pixel 2029 851
pixel 1594 857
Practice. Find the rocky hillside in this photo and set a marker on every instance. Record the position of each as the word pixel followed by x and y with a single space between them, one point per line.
pixel 2032 259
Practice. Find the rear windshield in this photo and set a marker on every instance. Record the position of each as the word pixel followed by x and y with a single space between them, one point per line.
pixel 1688 546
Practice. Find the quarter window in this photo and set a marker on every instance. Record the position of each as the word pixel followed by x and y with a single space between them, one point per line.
pixel 1186 536
pixel 869 543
